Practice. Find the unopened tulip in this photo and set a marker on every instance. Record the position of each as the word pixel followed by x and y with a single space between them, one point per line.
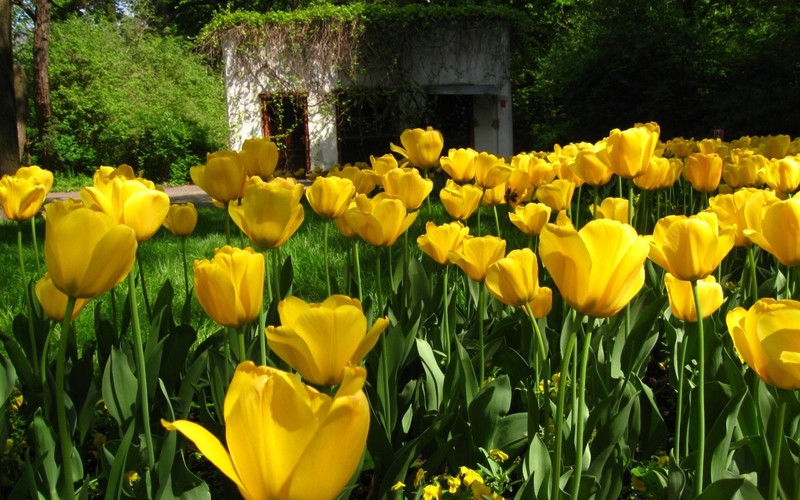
pixel 38 175
pixel 54 301
pixel 86 252
pixel 422 147
pixel 230 286
pixel 690 248
pixel 681 297
pixel 590 168
pixel 269 213
pixel 742 170
pixel 540 171
pixel 408 186
pixel 476 255
pixel 460 164
pixel 494 196
pixel 365 181
pixel 380 220
pixel 382 165
pixel 285 439
pixel 598 269
pixel 329 197
pixel 731 210
pixel 765 337
pixel 320 340
pixel 661 173
pixel 460 202
pixel 260 157
pixel 514 279
pixel 627 152
pixel 703 171
pixel 775 146
pixel 530 218
pixel 439 241
pixel 681 147
pixel 543 303
pixel 222 177
pixel 181 219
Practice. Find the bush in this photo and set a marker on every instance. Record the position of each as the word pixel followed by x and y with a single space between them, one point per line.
pixel 122 95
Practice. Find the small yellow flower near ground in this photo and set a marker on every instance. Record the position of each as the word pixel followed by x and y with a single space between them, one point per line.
pixel 419 477
pixel 131 477
pixel 469 476
pixel 498 455
pixel 399 485
pixel 453 483
pixel 7 447
pixel 432 492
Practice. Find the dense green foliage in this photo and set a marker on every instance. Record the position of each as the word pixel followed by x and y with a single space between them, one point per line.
pixel 122 95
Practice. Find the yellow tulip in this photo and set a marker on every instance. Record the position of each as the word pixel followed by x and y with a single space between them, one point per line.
pixel 710 146
pixel 133 202
pixel 421 147
pixel 222 177
pixel 590 168
pixel 494 196
pixel 766 338
pixel 86 252
pixel 329 197
pixel 612 208
pixel 460 202
pixel 690 248
pixel 557 195
pixel 230 286
pixel 540 172
pixel 681 147
pixel 703 171
pixel 514 279
pixel 742 170
pixel 476 255
pixel 260 157
pixel 382 165
pixel 661 173
pixel 490 171
pixel 364 180
pixel 460 164
pixel 181 219
pixel 627 152
pixel 542 304
pixel 320 340
pixel 379 221
pixel 598 269
pixel 54 301
pixel 270 212
pixel 518 188
pixel 104 174
pixel 439 241
pixel 38 175
pixel 530 218
pixel 731 210
pixel 22 198
pixel 782 175
pixel 343 225
pixel 777 232
pixel 285 439
pixel 408 186
pixel 681 297
pixel 775 146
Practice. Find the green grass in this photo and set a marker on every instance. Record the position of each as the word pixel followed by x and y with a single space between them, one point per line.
pixel 68 181
pixel 161 261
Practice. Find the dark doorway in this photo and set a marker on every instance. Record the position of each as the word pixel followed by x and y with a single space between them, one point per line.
pixel 285 118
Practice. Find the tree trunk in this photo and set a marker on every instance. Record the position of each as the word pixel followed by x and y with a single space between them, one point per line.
pixel 41 71
pixel 21 97
pixel 9 147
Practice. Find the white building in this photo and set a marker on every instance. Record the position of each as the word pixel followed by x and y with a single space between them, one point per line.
pixel 334 93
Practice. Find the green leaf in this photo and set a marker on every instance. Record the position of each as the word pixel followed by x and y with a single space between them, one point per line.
pixel 45 447
pixel 119 387
pixel 115 477
pixel 719 437
pixel 434 378
pixel 489 405
pixel 722 489
pixel 286 277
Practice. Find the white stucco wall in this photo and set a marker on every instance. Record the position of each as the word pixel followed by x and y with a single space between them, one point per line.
pixel 471 61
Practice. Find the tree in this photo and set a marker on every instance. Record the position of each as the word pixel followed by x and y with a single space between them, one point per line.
pixel 9 146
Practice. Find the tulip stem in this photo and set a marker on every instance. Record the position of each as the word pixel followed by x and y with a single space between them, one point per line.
pixel 28 298
pixel 777 441
pixel 581 408
pixel 144 287
pixel 35 246
pixel 496 221
pixel 64 436
pixel 578 208
pixel 751 257
pixel 358 270
pixel 240 342
pixel 545 370
pixel 681 382
pixel 227 223
pixel 268 281
pixel 141 376
pixel 630 204
pixel 445 317
pixel 185 270
pixel 481 313
pixel 378 278
pixel 262 338
pixel 327 265
pixel 701 393
pixel 275 273
pixel 562 390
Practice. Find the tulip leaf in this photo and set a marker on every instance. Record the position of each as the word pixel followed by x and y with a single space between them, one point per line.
pixel 8 376
pixel 434 378
pixel 489 405
pixel 286 277
pixel 22 364
pixel 719 437
pixel 722 488
pixel 537 468
pixel 119 387
pixel 115 477
pixel 45 448
pixel 106 334
pixel 468 371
